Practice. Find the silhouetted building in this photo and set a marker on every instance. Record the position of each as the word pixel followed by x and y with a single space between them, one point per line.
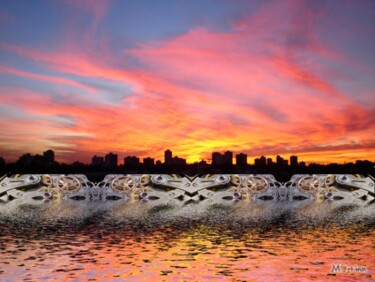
pixel 202 165
pixel 178 161
pixel 38 160
pixel 131 161
pixel 2 162
pixel 364 163
pixel 228 158
pixel 217 159
pixel 25 160
pixel 260 162
pixel 49 156
pixel 110 160
pixel 168 157
pixel 148 161
pixel 97 161
pixel 293 161
pixel 241 159
pixel 280 161
pixel 78 164
pixel 269 161
pixel 158 162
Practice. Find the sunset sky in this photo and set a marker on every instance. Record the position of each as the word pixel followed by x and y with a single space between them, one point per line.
pixel 137 77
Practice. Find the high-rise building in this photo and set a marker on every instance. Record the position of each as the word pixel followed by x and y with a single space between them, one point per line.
pixel 148 161
pixel 131 161
pixel 2 162
pixel 25 160
pixel 110 160
pixel 128 161
pixel 293 161
pixel 228 158
pixel 217 159
pixel 241 159
pixel 178 161
pixel 262 161
pixel 269 161
pixel 280 161
pixel 168 157
pixel 97 161
pixel 49 156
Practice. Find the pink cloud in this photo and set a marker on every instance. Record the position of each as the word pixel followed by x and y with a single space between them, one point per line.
pixel 260 83
pixel 44 78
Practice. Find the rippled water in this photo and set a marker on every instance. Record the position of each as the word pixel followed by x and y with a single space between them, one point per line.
pixel 242 243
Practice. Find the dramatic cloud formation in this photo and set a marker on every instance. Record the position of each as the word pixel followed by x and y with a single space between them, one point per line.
pixel 279 77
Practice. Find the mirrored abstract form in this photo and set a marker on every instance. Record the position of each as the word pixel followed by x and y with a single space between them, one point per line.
pixel 167 189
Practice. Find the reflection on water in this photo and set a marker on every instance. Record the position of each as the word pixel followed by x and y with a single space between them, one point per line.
pixel 95 244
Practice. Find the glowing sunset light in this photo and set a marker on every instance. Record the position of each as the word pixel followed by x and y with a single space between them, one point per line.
pixel 136 78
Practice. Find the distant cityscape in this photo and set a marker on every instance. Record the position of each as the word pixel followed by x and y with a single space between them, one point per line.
pixel 225 162
pixel 110 160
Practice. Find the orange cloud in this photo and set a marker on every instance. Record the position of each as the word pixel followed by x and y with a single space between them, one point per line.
pixel 259 88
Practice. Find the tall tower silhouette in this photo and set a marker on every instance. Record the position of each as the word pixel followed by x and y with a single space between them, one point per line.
pixel 168 157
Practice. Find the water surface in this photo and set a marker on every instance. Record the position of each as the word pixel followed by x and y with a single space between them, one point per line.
pixel 73 242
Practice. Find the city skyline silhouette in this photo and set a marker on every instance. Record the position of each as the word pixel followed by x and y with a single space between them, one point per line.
pixel 281 168
pixel 112 159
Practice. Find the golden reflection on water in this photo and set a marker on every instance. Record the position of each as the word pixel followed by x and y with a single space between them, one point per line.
pixel 201 253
